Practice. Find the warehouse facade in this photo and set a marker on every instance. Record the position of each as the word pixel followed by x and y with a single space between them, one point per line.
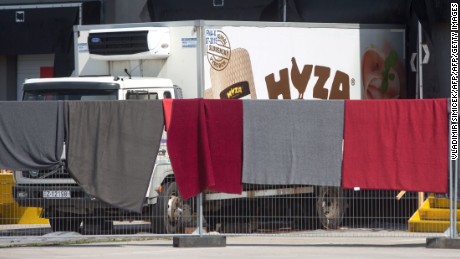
pixel 37 36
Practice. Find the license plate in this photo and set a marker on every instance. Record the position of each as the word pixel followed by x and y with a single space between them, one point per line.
pixel 56 194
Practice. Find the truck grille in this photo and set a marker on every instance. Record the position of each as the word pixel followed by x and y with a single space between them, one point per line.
pixel 118 43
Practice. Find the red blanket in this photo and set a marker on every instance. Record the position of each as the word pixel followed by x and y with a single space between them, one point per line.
pixel 204 145
pixel 396 145
pixel 224 121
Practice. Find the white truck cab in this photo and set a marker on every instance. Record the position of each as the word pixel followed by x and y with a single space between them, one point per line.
pixel 98 88
pixel 69 204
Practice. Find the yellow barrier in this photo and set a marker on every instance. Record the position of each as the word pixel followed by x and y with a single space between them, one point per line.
pixel 10 211
pixel 433 216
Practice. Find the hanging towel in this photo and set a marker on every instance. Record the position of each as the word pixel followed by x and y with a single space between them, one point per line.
pixel 292 142
pixel 112 147
pixel 396 145
pixel 204 145
pixel 224 121
pixel 188 147
pixel 31 135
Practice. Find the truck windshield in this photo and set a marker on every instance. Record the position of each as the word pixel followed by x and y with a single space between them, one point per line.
pixel 141 95
pixel 65 94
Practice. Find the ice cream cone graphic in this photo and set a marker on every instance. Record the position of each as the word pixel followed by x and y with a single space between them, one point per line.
pixel 236 81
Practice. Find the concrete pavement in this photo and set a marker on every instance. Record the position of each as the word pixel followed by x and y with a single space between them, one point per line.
pixel 68 245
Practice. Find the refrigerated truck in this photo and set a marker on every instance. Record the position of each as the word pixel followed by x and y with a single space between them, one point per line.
pixel 220 60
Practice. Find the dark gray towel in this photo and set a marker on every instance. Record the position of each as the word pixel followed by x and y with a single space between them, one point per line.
pixel 31 135
pixel 112 147
pixel 292 142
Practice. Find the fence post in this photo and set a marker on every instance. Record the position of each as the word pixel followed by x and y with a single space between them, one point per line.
pixel 200 214
pixel 455 199
pixel 453 183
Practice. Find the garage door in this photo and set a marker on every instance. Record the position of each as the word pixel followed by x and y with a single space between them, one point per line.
pixel 29 67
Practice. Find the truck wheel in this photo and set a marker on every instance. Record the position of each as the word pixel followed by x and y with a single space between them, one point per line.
pixel 330 206
pixel 171 213
pixel 65 222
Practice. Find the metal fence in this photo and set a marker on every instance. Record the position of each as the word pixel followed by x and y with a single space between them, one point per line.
pixel 259 210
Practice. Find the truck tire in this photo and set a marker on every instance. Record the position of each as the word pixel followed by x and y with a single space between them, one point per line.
pixel 171 214
pixel 65 222
pixel 330 207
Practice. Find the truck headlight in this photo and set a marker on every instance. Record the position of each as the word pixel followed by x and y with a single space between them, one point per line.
pixel 22 195
pixel 33 174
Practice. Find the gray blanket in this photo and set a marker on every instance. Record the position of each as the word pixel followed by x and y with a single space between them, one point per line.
pixel 31 135
pixel 112 147
pixel 292 142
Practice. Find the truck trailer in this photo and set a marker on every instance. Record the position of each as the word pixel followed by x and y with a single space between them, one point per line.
pixel 218 60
